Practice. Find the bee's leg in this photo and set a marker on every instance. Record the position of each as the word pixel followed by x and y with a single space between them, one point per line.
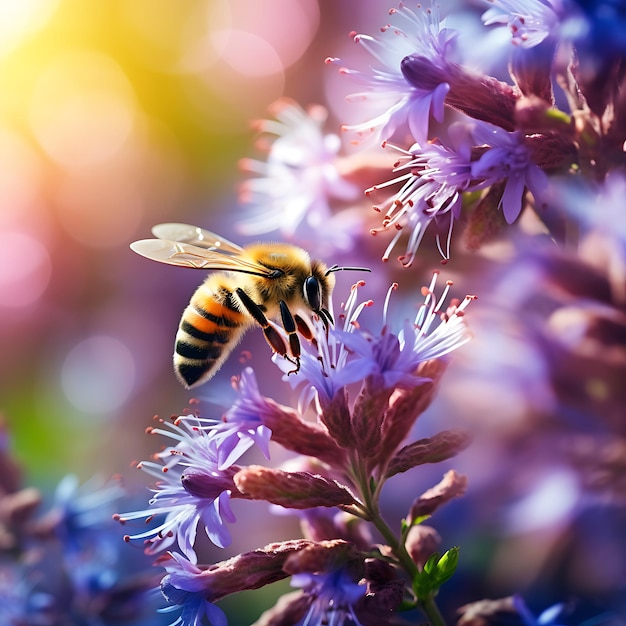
pixel 303 328
pixel 290 326
pixel 272 336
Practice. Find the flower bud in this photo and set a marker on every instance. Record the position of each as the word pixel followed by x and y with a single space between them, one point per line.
pixel 295 490
pixel 421 542
pixel 336 417
pixel 324 556
pixel 406 405
pixel 301 437
pixel 250 570
pixel 367 417
pixel 204 485
pixel 451 486
pixel 442 446
pixel 385 591
pixel 481 97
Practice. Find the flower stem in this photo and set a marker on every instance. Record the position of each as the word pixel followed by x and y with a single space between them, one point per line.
pixel 430 608
pixel 372 513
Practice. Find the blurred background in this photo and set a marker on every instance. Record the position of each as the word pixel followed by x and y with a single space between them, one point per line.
pixel 116 115
pixel 119 114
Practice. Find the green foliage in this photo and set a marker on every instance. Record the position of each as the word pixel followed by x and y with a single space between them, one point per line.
pixel 437 570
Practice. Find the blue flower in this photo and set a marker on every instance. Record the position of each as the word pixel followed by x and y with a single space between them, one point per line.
pixel 395 100
pixel 193 486
pixel 546 618
pixel 333 595
pixel 186 590
pixel 82 512
pixel 596 27
pixel 300 177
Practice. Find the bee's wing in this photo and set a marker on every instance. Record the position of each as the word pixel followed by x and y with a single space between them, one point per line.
pixel 187 255
pixel 194 235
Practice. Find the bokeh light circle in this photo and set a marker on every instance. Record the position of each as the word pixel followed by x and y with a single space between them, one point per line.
pixel 82 108
pixel 98 375
pixel 25 269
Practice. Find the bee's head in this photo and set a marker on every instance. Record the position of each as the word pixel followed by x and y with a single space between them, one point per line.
pixel 318 287
pixel 316 291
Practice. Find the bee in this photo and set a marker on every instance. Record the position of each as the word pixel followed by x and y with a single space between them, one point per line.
pixel 252 285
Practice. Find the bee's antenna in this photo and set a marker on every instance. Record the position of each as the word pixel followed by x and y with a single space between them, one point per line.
pixel 337 268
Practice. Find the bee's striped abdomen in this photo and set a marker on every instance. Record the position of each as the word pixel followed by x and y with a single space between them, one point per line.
pixel 208 331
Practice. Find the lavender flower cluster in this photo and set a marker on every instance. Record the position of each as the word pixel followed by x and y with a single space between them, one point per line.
pixel 529 163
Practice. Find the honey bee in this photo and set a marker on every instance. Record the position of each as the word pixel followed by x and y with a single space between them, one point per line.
pixel 253 285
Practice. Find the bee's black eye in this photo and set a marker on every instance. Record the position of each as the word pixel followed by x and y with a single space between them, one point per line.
pixel 312 293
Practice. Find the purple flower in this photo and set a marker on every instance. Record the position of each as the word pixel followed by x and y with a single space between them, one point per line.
pixel 352 354
pixel 185 589
pixel 393 358
pixel 333 595
pixel 324 372
pixel 248 409
pixel 241 426
pixel 434 177
pixel 529 21
pixel 395 100
pixel 194 486
pixel 300 177
pixel 508 160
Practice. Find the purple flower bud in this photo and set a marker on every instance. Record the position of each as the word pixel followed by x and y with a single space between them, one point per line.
pixel 297 490
pixel 451 486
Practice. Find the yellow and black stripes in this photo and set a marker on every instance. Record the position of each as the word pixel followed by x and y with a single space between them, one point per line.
pixel 208 331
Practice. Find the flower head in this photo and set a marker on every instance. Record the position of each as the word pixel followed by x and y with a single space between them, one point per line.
pixel 433 179
pixel 185 589
pixel 194 486
pixel 300 177
pixel 394 358
pixel 333 596
pixel 509 160
pixel 353 354
pixel 395 100
pixel 529 21
pixel 82 512
pixel 325 372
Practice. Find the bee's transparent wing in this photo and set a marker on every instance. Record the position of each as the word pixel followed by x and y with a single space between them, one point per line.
pixel 196 236
pixel 187 255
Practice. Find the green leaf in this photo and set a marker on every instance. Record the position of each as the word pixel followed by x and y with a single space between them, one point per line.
pixel 437 570
pixel 446 566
